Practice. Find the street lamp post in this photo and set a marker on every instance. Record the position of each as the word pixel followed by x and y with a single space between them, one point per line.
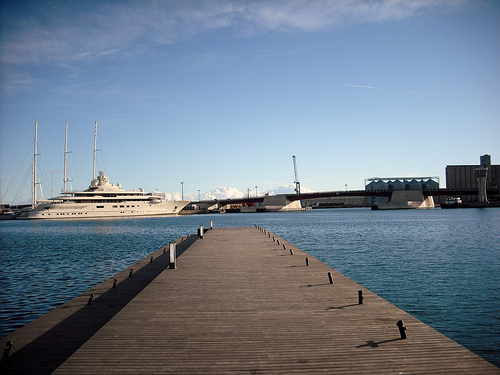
pixel 182 190
pixel 199 196
pixel 255 191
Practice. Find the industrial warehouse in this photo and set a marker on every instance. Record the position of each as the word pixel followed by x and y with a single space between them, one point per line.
pixel 462 177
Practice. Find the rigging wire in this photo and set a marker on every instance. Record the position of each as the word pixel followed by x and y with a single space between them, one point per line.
pixel 17 153
pixel 48 135
pixel 84 143
pixel 21 187
pixel 78 134
pixel 43 172
pixel 13 178
pixel 102 153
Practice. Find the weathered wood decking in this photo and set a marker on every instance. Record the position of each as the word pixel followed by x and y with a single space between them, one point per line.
pixel 237 303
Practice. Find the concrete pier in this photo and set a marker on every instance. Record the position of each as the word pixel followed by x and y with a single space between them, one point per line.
pixel 239 301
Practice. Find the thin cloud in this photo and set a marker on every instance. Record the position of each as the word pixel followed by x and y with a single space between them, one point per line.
pixel 63 33
pixel 377 88
pixel 20 81
pixel 362 87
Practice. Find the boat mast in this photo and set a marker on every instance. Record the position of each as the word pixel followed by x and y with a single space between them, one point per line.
pixel 33 191
pixel 95 146
pixel 65 153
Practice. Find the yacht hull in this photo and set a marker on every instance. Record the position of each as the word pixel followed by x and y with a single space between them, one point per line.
pixel 71 210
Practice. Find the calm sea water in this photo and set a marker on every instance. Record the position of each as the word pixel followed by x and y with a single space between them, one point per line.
pixel 442 266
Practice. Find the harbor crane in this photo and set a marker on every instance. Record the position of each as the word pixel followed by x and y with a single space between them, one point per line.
pixel 297 183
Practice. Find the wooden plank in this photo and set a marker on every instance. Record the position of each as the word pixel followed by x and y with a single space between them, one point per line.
pixel 239 302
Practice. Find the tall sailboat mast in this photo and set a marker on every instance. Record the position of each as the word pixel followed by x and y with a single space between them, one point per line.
pixel 65 157
pixel 33 191
pixel 95 146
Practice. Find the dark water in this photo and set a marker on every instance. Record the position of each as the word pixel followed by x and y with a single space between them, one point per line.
pixel 442 266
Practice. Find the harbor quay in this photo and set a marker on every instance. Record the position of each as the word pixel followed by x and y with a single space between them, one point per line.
pixel 232 300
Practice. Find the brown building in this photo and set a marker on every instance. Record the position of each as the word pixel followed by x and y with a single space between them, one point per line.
pixel 464 177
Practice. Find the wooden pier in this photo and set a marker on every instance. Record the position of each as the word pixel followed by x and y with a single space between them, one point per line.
pixel 241 300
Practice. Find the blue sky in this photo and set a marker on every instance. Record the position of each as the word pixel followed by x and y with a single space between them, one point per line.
pixel 221 94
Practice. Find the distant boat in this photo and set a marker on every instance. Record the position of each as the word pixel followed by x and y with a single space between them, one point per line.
pixel 6 212
pixel 101 200
pixel 452 203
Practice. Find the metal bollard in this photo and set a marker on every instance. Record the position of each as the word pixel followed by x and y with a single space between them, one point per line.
pixel 330 277
pixel 131 272
pixel 307 261
pixel 173 255
pixel 360 297
pixel 402 329
pixel 278 242
pixel 91 297
pixel 211 224
pixel 114 283
pixel 200 231
pixel 6 351
pixel 291 252
pixel 284 247
pixel 151 260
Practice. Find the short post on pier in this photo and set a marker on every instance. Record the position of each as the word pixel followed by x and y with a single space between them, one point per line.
pixel 200 231
pixel 402 329
pixel 6 351
pixel 173 255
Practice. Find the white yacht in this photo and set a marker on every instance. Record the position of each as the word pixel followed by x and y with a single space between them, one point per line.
pixel 103 199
